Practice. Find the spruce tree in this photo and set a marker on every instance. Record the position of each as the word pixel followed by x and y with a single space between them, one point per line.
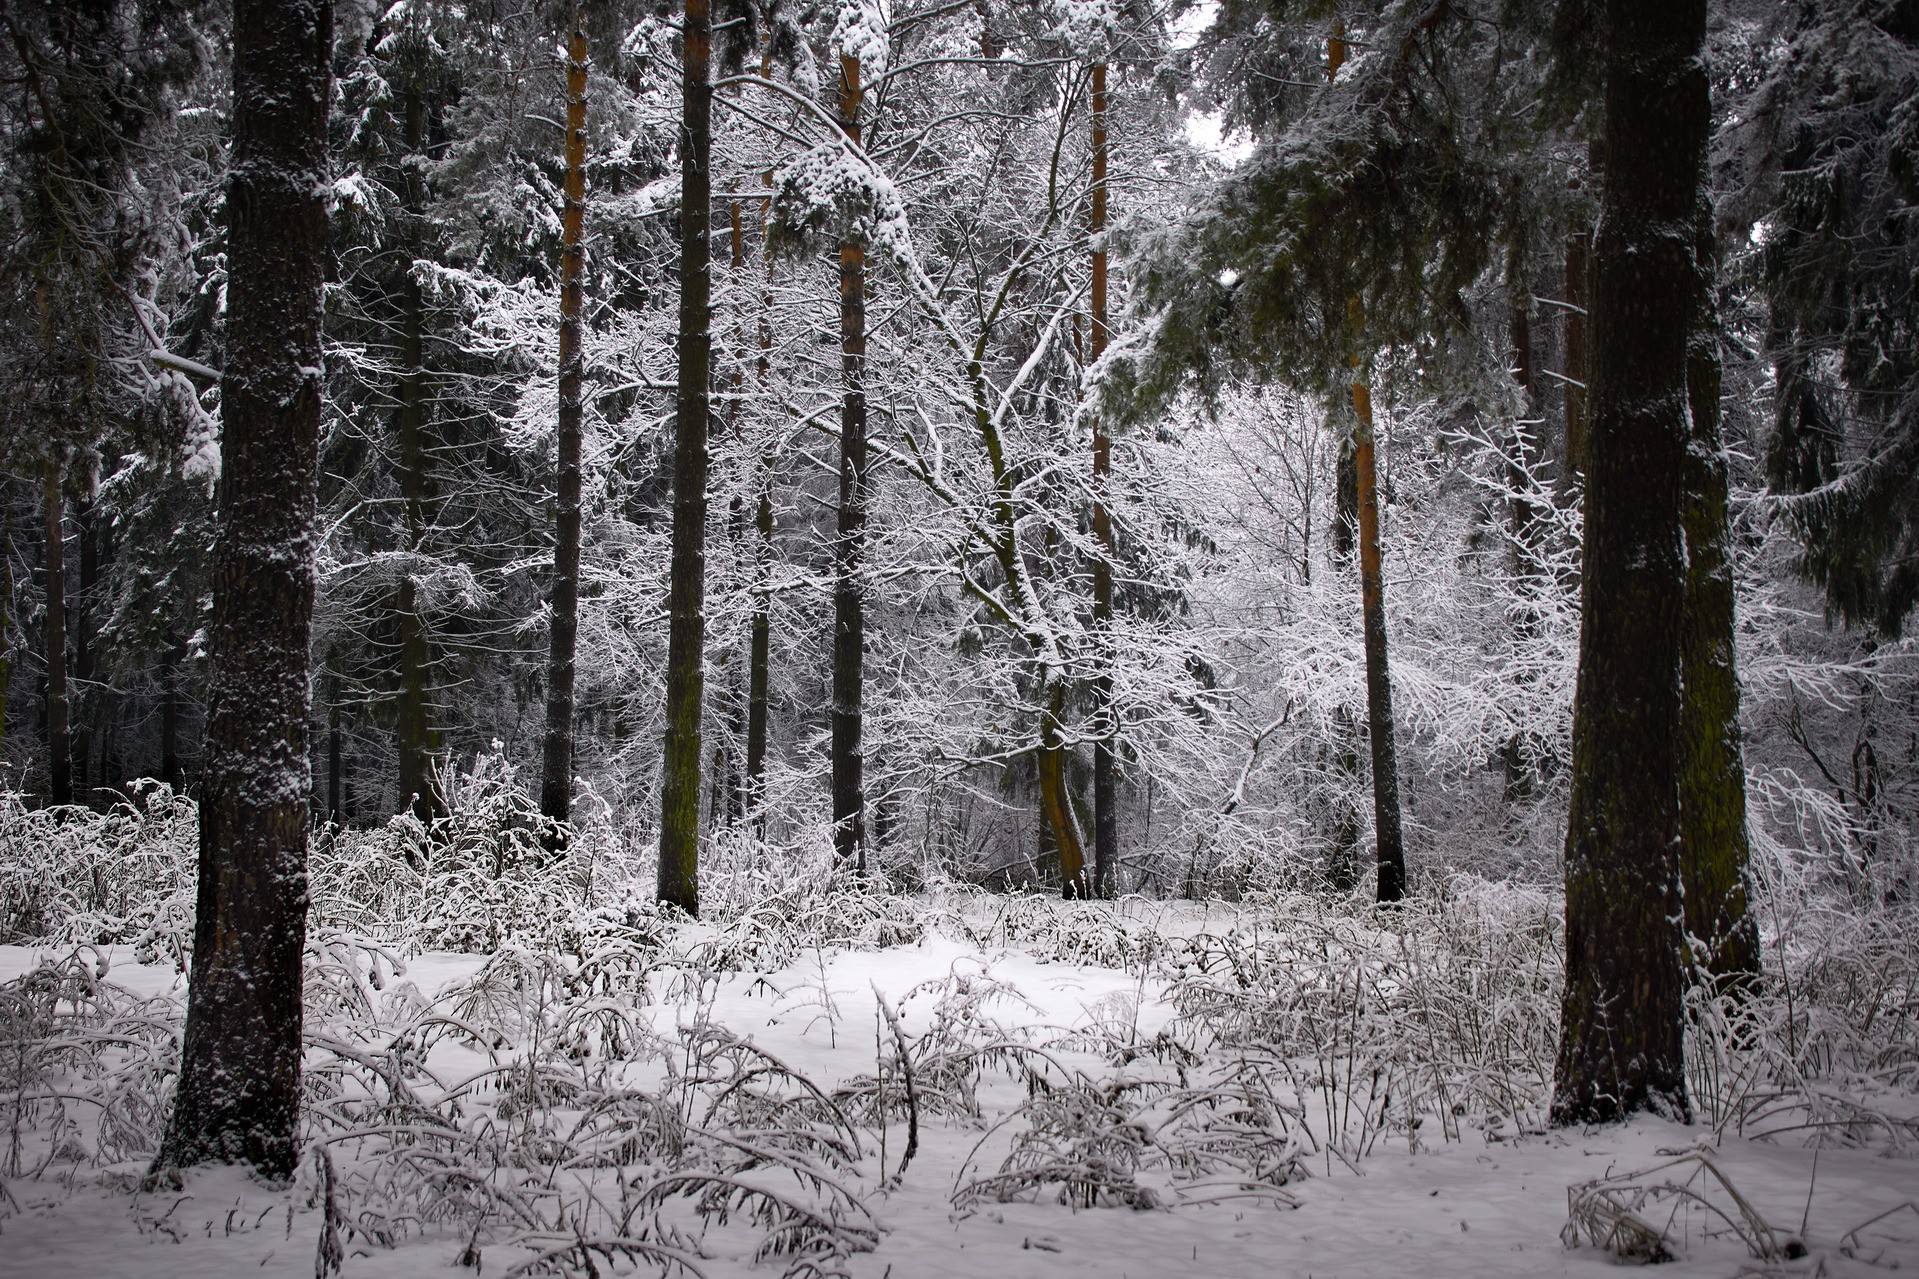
pixel 1622 1015
pixel 238 1094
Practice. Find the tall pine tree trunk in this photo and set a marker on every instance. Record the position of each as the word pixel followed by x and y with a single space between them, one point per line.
pixel 1715 849
pixel 238 1096
pixel 414 737
pixel 1622 1017
pixel 686 595
pixel 84 698
pixel 556 780
pixel 170 711
pixel 59 740
pixel 729 789
pixel 1391 850
pixel 1578 249
pixel 1105 799
pixel 6 603
pixel 849 547
pixel 760 641
pixel 1388 838
pixel 1527 521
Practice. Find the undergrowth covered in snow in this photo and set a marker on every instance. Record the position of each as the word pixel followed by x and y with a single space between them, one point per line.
pixel 579 1095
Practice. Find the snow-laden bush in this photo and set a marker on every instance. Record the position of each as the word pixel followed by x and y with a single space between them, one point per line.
pixel 69 874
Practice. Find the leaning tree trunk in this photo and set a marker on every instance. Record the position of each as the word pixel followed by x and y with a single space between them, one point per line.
pixel 1105 798
pixel 686 597
pixel 556 780
pixel 849 548
pixel 59 741
pixel 238 1096
pixel 1622 1017
pixel 1714 849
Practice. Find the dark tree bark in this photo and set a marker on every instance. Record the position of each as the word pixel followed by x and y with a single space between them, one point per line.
pixel 1622 1018
pixel 84 696
pixel 729 791
pixel 1578 247
pixel 176 652
pixel 59 739
pixel 414 735
pixel 760 641
pixel 1527 516
pixel 239 1088
pixel 556 782
pixel 6 602
pixel 686 627
pixel 1715 849
pixel 335 766
pixel 1105 798
pixel 849 547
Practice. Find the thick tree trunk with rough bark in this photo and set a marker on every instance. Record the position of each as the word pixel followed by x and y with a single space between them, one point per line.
pixel 849 547
pixel 686 596
pixel 59 739
pixel 239 1088
pixel 1622 1017
pixel 1105 796
pixel 1715 849
pixel 556 780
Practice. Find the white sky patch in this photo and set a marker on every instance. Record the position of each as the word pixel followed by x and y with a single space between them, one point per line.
pixel 1206 130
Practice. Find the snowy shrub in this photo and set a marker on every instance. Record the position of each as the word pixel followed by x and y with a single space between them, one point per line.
pixel 82 877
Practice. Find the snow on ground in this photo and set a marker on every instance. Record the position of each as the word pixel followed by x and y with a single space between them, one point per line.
pixel 1476 1206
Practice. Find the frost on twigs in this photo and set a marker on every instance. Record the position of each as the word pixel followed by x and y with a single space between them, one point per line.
pixel 1150 1144
pixel 1651 1215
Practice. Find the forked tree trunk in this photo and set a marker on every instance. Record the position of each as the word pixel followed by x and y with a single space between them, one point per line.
pixel 59 739
pixel 1715 849
pixel 1105 799
pixel 414 736
pixel 1622 1021
pixel 686 596
pixel 849 547
pixel 238 1097
pixel 556 781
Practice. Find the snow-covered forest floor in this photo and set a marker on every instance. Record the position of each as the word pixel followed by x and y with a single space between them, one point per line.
pixel 516 1060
